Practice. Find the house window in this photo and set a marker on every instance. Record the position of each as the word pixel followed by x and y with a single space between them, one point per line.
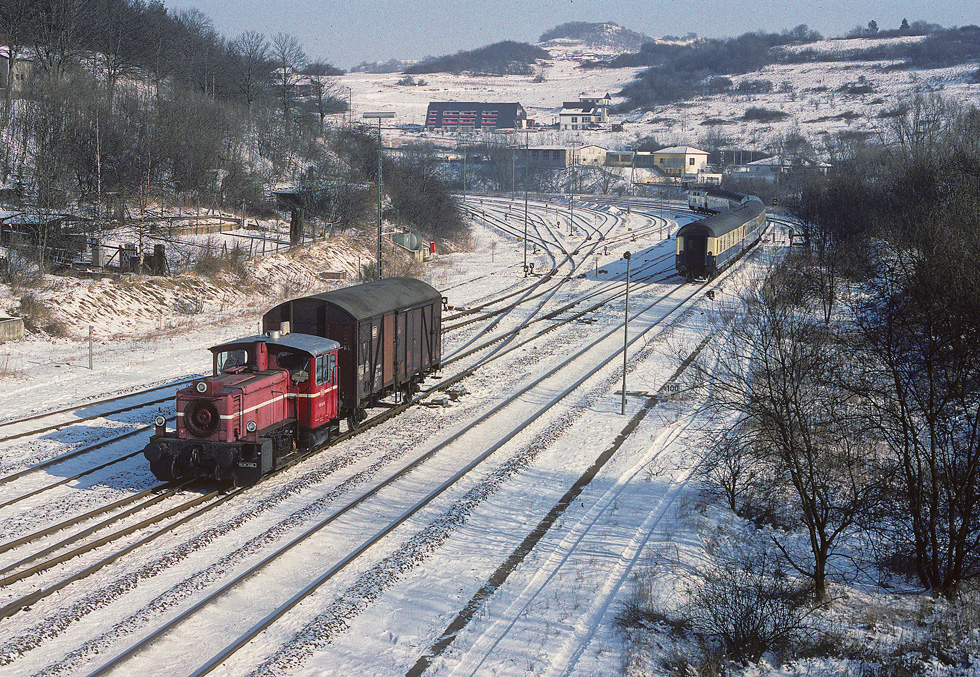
pixel 691 162
pixel 574 119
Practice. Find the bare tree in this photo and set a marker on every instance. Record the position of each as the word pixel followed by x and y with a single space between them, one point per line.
pixel 114 25
pixel 921 323
pixel 202 57
pixel 252 76
pixel 324 92
pixel 56 32
pixel 15 17
pixel 288 58
pixel 778 371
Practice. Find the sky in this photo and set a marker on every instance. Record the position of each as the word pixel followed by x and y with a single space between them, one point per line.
pixel 348 32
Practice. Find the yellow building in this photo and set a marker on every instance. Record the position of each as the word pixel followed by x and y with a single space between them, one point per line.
pixel 680 160
pixel 13 75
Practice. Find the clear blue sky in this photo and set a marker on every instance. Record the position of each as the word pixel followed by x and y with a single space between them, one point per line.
pixel 347 32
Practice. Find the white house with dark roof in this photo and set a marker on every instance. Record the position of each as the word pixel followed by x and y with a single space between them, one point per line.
pixel 589 112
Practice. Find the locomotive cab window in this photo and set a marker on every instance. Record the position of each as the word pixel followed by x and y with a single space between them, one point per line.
pixel 325 365
pixel 297 364
pixel 228 359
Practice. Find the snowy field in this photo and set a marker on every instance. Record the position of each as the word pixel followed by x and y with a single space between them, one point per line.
pixel 550 611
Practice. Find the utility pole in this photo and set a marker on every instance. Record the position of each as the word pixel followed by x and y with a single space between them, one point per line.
pixel 379 115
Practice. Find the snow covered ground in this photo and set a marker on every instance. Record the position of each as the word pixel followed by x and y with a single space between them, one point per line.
pixel 554 611
pixel 547 609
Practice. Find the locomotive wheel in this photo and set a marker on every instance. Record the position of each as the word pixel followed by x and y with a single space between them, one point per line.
pixel 164 468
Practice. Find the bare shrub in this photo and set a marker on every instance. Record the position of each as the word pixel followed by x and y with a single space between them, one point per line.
pixel 738 608
pixel 189 306
pixel 744 607
pixel 368 272
pixel 39 317
pixel 728 472
pixel 7 370
pixel 214 261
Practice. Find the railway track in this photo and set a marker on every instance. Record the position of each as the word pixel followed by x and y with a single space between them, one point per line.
pixel 540 316
pixel 88 405
pixel 19 570
pixel 502 433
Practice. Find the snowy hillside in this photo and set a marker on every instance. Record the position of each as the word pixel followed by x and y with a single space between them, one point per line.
pixel 815 97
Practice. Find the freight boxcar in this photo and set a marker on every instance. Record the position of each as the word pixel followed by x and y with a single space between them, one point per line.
pixel 389 331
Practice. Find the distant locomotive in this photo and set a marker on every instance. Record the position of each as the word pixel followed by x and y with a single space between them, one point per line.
pixel 712 200
pixel 707 246
pixel 276 396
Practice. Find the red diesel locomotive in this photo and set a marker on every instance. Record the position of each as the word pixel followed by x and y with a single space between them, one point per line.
pixel 276 396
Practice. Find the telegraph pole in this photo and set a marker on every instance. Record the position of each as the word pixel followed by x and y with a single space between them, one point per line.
pixel 379 115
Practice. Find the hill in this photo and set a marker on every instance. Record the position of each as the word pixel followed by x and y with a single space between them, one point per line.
pixel 502 58
pixel 601 36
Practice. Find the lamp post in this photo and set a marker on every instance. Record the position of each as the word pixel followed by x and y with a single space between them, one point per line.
pixel 626 320
pixel 663 223
pixel 379 115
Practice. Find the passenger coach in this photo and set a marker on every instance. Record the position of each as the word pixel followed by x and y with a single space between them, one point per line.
pixel 707 246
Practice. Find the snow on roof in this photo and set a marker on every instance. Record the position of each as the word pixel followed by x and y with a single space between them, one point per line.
pixel 689 150
pixel 779 161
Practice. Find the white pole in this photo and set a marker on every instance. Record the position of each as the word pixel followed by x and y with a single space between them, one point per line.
pixel 626 320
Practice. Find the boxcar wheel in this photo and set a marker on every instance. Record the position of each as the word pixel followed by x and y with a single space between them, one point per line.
pixel 355 419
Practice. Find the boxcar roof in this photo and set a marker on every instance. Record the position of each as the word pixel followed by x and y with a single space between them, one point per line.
pixel 717 225
pixel 314 345
pixel 368 300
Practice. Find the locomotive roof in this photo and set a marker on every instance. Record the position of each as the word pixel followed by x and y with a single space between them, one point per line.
pixel 717 225
pixel 307 343
pixel 368 300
